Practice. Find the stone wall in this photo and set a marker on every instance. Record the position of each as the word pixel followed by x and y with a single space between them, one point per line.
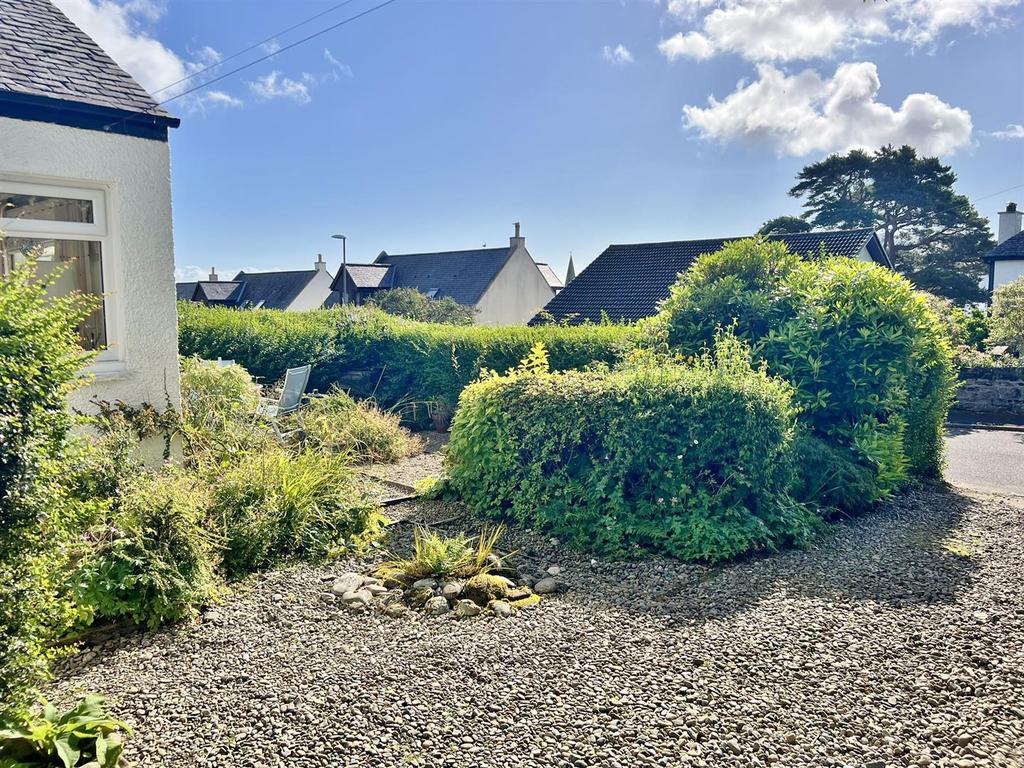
pixel 991 390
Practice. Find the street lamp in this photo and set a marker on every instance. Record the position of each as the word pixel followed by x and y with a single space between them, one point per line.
pixel 344 269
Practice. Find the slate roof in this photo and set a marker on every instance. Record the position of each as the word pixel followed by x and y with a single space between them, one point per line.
pixel 628 281
pixel 223 291
pixel 44 56
pixel 370 275
pixel 273 290
pixel 551 276
pixel 185 291
pixel 462 275
pixel 1010 248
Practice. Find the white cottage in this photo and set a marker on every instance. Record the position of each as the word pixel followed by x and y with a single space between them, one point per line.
pixel 1006 260
pixel 85 180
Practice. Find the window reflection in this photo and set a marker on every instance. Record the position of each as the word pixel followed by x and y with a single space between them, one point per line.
pixel 42 208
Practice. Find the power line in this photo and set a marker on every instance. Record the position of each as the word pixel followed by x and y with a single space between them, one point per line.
pixel 253 63
pixel 252 47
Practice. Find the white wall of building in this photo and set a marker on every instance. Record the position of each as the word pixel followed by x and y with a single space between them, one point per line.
pixel 138 254
pixel 1007 271
pixel 314 294
pixel 518 292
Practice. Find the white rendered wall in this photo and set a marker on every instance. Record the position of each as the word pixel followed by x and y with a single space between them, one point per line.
pixel 1007 271
pixel 314 294
pixel 141 302
pixel 517 293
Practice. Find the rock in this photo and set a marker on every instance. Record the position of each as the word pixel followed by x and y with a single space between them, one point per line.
pixel 213 617
pixel 519 593
pixel 466 608
pixel 451 590
pixel 368 580
pixel 495 562
pixel 425 584
pixel 347 582
pixel 436 606
pixel 360 596
pixel 734 747
pixel 326 597
pixel 963 739
pixel 554 570
pixel 396 610
pixel 374 589
pixel 546 586
pixel 500 608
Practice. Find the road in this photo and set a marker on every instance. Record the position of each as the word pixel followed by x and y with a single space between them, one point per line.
pixel 985 459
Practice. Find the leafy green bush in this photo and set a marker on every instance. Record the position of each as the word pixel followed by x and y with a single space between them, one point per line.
pixel 40 359
pixel 273 505
pixel 335 423
pixel 83 735
pixel 211 392
pixel 445 557
pixel 153 560
pixel 693 461
pixel 870 363
pixel 1007 320
pixel 401 363
pixel 414 305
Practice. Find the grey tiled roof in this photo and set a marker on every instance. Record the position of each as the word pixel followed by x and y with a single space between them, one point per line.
pixel 551 276
pixel 628 281
pixel 462 275
pixel 185 291
pixel 1010 248
pixel 370 275
pixel 224 291
pixel 42 53
pixel 273 290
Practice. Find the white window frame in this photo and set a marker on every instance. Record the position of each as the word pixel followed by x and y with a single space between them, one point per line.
pixel 109 361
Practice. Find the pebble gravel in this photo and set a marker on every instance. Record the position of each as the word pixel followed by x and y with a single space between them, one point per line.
pixel 897 640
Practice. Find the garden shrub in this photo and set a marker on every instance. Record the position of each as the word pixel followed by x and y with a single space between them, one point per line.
pixel 40 359
pixel 692 461
pixel 84 735
pixel 416 305
pixel 335 423
pixel 273 505
pixel 870 364
pixel 153 559
pixel 1007 322
pixel 401 363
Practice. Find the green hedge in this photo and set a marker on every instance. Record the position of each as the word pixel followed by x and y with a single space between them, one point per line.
pixel 695 462
pixel 398 361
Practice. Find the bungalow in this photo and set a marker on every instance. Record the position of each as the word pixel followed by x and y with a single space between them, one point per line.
pixel 626 282
pixel 291 290
pixel 505 285
pixel 1006 260
pixel 85 185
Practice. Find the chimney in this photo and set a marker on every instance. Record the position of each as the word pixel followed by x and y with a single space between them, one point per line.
pixel 1009 223
pixel 320 265
pixel 213 275
pixel 516 240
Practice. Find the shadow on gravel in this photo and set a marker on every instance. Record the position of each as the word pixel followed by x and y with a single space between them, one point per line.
pixel 910 552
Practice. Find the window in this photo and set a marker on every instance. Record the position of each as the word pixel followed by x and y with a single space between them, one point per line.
pixel 64 231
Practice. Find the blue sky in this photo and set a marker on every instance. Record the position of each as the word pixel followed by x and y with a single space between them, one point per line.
pixel 431 125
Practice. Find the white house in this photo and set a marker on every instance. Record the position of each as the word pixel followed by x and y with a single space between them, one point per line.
pixel 295 290
pixel 85 181
pixel 505 285
pixel 1006 260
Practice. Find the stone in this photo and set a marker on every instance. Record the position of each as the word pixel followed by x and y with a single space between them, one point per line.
pixel 425 584
pixel 451 590
pixel 554 570
pixel 500 608
pixel 326 597
pixel 374 589
pixel 436 606
pixel 360 596
pixel 347 582
pixel 466 608
pixel 519 593
pixel 396 610
pixel 546 586
pixel 494 562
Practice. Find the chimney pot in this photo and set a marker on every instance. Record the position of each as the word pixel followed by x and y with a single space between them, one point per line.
pixel 517 229
pixel 1009 223
pixel 320 265
pixel 213 275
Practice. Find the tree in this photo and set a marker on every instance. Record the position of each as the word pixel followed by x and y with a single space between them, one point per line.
pixel 410 303
pixel 784 225
pixel 933 235
pixel 1008 316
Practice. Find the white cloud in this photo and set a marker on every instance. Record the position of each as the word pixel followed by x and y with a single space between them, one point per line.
pixel 618 55
pixel 1012 131
pixel 803 113
pixel 119 28
pixel 190 274
pixel 792 30
pixel 274 85
pixel 338 69
pixel 271 46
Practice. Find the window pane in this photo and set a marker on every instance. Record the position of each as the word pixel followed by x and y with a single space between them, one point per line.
pixel 40 208
pixel 67 265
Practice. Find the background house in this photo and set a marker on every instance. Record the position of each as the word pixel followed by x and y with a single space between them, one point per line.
pixel 1006 260
pixel 290 290
pixel 626 282
pixel 85 182
pixel 505 285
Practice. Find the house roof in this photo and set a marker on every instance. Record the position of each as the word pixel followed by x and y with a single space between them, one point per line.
pixel 273 290
pixel 551 276
pixel 185 291
pixel 224 291
pixel 461 275
pixel 370 275
pixel 1010 248
pixel 627 281
pixel 51 71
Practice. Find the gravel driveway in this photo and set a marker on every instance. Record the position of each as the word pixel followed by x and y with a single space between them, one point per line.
pixel 898 640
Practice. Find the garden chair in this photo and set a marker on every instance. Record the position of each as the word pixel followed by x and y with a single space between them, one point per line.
pixel 289 401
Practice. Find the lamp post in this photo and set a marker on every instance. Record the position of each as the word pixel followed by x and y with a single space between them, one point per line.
pixel 344 269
